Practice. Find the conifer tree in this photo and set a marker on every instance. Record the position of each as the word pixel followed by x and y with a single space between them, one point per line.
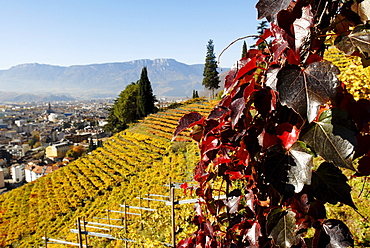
pixel 145 99
pixel 92 146
pixel 124 110
pixel 245 49
pixel 133 103
pixel 195 94
pixel 211 80
pixel 260 30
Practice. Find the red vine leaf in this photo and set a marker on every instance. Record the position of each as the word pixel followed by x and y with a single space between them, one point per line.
pixel 317 210
pixel 288 134
pixel 330 185
pixel 187 121
pixel 270 8
pixel 266 34
pixel 249 66
pixel 305 90
pixel 188 242
pixel 301 27
pixel 280 43
pixel 271 77
pixel 242 67
pixel 253 234
pixel 363 146
pixel 338 232
pixel 235 175
pixel 300 173
pixel 210 143
pixel 360 112
pixel 239 99
pixel 221 160
pixel 218 112
pixel 276 166
pixel 242 154
pixel 313 58
pixel 232 203
pixel 267 140
pixel 265 101
pixel 363 167
pixel 184 186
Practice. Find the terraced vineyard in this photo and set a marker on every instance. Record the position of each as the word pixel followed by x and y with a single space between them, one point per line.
pixel 136 162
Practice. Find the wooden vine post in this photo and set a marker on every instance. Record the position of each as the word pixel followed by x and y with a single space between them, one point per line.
pixel 79 235
pixel 46 239
pixel 173 221
pixel 125 220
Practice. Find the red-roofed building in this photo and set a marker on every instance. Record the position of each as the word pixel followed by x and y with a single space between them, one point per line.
pixel 34 171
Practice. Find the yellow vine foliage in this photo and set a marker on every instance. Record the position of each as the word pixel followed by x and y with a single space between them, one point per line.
pixel 132 163
pixel 352 73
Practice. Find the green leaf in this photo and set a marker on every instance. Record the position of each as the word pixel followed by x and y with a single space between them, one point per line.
pixel 332 137
pixel 284 234
pixel 300 172
pixel 330 185
pixel 358 39
pixel 273 218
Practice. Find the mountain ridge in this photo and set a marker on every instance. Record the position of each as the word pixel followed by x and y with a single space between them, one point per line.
pixel 168 77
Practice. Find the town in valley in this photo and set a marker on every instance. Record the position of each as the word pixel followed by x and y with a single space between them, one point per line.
pixel 38 138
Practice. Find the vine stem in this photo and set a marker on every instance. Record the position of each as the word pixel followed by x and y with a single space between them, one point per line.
pixel 233 42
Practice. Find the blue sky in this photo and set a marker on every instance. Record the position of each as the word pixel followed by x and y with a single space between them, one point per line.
pixel 79 32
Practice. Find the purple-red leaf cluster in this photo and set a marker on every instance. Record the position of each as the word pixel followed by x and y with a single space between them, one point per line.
pixel 281 106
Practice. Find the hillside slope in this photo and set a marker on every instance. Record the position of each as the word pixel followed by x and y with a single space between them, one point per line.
pixel 135 162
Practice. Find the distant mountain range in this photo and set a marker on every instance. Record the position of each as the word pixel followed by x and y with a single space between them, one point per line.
pixel 6 97
pixel 169 78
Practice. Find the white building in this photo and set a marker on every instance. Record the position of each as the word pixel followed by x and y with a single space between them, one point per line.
pixel 18 150
pixel 102 123
pixel 17 172
pixel 54 117
pixel 20 122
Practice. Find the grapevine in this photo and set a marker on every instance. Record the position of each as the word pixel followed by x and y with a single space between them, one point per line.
pixel 284 134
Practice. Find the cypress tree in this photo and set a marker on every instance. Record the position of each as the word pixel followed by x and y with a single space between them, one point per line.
pixel 211 80
pixel 245 50
pixel 145 99
pixel 92 146
pixel 195 94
